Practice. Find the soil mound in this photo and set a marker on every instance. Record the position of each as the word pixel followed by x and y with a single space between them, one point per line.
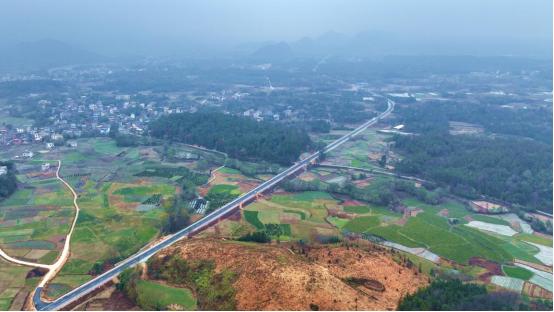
pixel 293 277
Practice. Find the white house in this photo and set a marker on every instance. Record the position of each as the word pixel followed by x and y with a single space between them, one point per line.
pixel 45 166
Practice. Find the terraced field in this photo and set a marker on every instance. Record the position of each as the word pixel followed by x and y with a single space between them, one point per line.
pixel 430 228
pixel 112 196
pixel 34 221
pixel 356 152
pixel 112 224
pixel 298 215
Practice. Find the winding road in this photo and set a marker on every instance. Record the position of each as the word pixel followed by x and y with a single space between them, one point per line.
pixel 54 268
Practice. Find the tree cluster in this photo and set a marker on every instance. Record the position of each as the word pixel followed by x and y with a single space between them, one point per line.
pixel 241 138
pixel 214 289
pixel 8 181
pixel 514 170
pixel 453 295
pixel 258 237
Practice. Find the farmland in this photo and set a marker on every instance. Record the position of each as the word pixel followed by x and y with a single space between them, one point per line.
pixel 363 152
pixel 35 219
pixel 458 243
pixel 285 217
pixel 123 196
pixel 463 239
pixel 14 287
pixel 121 209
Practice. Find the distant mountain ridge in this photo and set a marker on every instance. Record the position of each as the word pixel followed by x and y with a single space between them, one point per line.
pixel 378 44
pixel 44 54
pixel 273 52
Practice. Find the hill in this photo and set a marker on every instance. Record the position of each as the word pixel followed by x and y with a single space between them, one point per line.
pixel 293 277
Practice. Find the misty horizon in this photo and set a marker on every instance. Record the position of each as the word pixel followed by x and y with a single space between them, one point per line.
pixel 219 28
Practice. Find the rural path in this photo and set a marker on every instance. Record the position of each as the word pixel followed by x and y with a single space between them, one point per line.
pixel 62 259
pixel 54 268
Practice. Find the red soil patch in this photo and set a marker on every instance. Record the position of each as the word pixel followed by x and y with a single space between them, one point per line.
pixel 203 190
pixel 353 202
pixel 537 266
pixel 141 181
pixel 281 192
pixel 288 219
pixel 245 186
pixel 536 291
pixel 407 213
pixel 443 213
pixel 59 240
pixel 492 268
pixel 117 202
pixel 236 216
pixel 307 176
pixel 283 277
pixel 195 217
pixel 339 213
pixel 362 183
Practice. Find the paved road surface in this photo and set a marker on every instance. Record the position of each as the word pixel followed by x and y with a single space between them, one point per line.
pixel 201 224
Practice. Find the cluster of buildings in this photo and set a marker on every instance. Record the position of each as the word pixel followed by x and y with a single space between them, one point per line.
pixel 83 117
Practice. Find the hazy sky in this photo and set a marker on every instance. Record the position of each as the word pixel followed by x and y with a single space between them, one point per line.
pixel 119 26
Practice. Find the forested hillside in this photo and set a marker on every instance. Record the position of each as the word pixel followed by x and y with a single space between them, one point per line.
pixel 534 122
pixel 241 138
pixel 514 170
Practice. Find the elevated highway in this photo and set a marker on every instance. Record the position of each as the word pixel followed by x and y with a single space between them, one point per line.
pixel 197 226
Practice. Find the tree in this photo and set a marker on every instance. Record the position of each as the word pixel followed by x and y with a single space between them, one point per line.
pixel 8 181
pixel 177 217
pixel 383 161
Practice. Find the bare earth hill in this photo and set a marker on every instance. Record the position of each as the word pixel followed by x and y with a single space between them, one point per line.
pixel 290 277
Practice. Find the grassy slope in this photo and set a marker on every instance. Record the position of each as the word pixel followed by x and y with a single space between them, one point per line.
pixel 155 296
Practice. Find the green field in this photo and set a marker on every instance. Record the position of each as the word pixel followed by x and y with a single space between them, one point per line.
pixel 455 242
pixel 15 121
pixel 105 147
pixel 488 219
pixel 225 188
pixel 36 216
pixel 361 224
pixel 517 272
pixel 338 222
pixel 227 170
pixel 534 239
pixel 301 197
pixel 155 296
pixel 252 218
pixel 109 193
pixel 301 216
pixel 356 209
pixel 145 190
